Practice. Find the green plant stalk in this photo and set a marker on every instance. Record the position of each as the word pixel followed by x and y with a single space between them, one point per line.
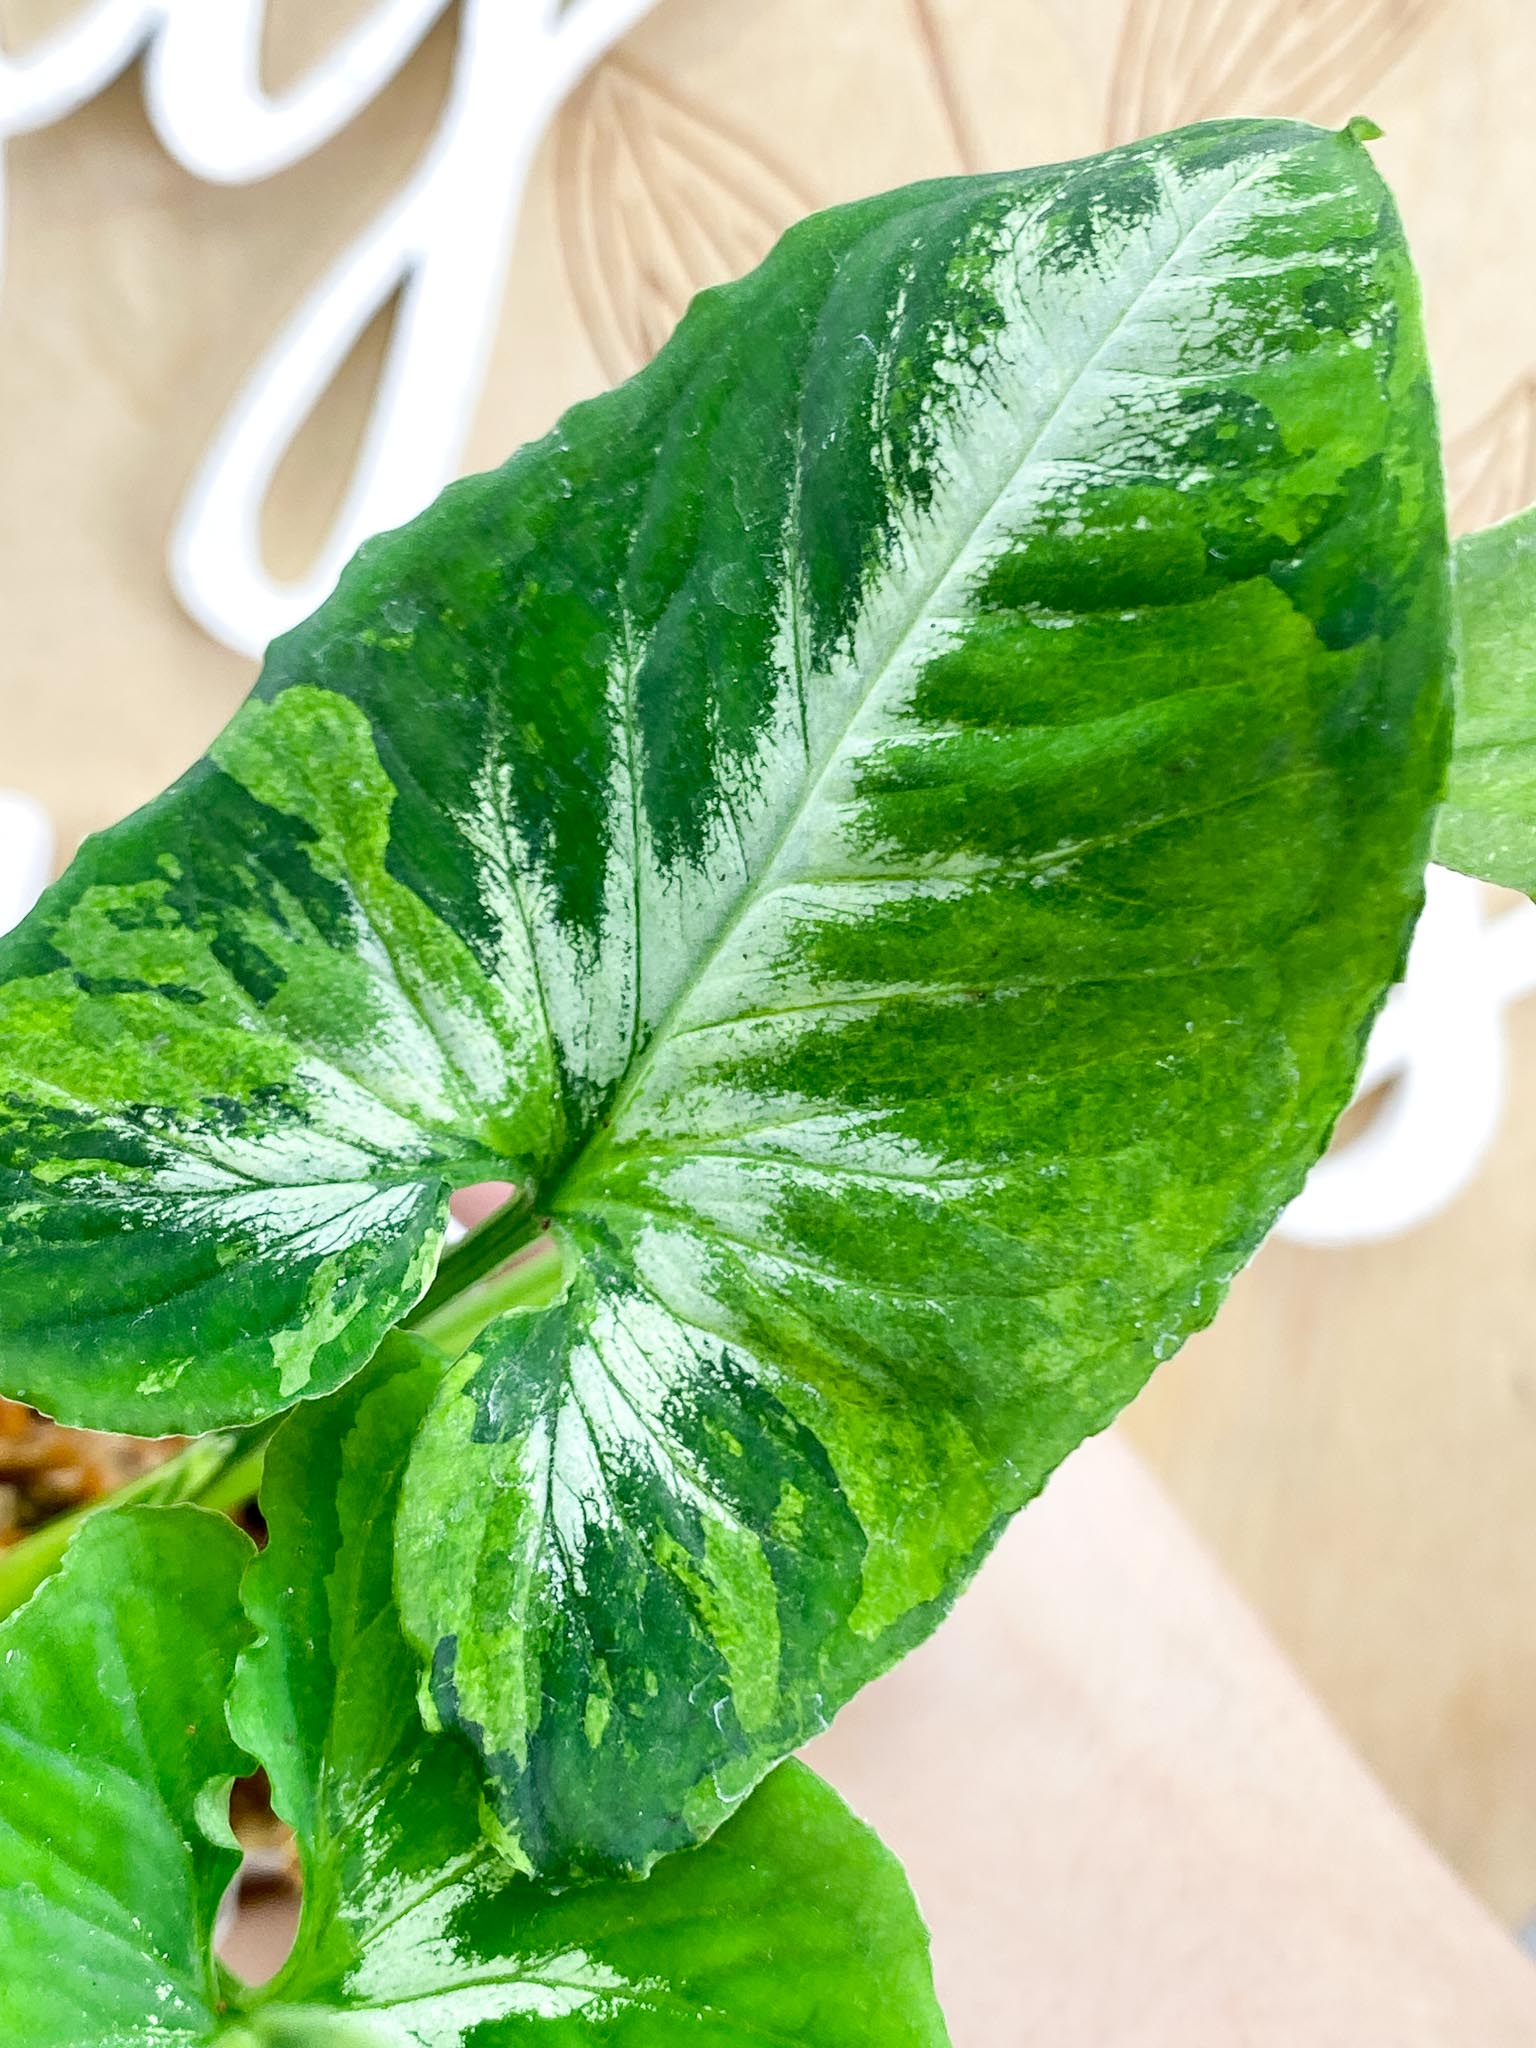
pixel 505 1231
pixel 530 1279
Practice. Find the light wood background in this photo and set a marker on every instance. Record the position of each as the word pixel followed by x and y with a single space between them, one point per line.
pixel 1357 1437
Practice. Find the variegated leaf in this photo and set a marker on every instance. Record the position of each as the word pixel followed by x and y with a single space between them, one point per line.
pixel 1019 1026
pixel 891 828
pixel 241 1065
pixel 794 1925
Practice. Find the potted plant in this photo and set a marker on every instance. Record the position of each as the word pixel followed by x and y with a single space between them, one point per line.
pixel 889 830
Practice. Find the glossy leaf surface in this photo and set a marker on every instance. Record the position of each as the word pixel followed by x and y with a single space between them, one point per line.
pixel 793 1924
pixel 891 827
pixel 115 1764
pixel 1487 827
pixel 1042 991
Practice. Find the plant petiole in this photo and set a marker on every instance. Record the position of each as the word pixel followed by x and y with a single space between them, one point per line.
pixel 530 1278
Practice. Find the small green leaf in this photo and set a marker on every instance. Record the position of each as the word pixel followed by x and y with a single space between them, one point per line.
pixel 792 1925
pixel 115 1764
pixel 891 829
pixel 1488 825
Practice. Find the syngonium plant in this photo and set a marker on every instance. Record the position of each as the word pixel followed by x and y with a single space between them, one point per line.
pixel 890 830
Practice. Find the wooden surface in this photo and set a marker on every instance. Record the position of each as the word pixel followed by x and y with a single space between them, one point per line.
pixel 1357 1438
pixel 1148 1836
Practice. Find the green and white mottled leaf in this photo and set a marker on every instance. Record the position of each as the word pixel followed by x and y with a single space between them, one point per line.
pixel 792 1925
pixel 891 829
pixel 1487 827
pixel 1114 590
pixel 241 1065
pixel 115 1764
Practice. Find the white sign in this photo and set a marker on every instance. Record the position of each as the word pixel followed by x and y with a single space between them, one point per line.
pixel 442 243
pixel 26 855
pixel 1440 1055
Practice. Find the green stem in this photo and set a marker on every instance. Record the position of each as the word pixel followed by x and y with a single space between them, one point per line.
pixel 239 1482
pixel 220 1472
pixel 486 1247
pixel 530 1279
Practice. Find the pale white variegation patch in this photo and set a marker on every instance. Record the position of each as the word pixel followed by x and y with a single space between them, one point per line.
pixel 1013 438
pixel 421 1990
pixel 568 992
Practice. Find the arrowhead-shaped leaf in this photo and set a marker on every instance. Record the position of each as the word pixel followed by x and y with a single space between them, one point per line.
pixel 891 828
pixel 1488 825
pixel 1037 1002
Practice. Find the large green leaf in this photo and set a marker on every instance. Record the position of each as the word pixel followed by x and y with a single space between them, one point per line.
pixel 1115 576
pixel 891 828
pixel 793 1925
pixel 1488 825
pixel 114 1755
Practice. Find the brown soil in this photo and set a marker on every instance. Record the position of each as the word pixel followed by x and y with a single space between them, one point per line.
pixel 46 1471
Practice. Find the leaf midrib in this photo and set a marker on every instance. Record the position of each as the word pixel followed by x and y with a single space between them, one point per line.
pixel 588 1160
